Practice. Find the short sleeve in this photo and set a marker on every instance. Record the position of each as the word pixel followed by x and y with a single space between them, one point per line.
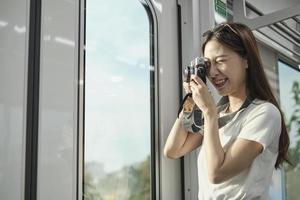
pixel 262 124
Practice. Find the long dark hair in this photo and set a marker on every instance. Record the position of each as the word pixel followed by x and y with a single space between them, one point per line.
pixel 239 38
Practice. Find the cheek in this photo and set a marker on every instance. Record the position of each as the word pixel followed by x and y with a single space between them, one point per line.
pixel 239 76
pixel 224 68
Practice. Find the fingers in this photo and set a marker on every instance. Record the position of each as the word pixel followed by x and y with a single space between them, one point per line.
pixel 187 87
pixel 197 85
pixel 193 85
pixel 197 80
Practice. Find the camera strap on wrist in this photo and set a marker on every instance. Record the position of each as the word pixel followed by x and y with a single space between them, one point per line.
pixel 193 120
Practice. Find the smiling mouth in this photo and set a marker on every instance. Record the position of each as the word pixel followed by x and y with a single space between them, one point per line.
pixel 220 83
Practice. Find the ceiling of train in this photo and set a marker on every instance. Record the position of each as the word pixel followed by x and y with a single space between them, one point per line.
pixel 283 35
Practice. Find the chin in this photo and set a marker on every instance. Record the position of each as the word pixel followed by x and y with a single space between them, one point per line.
pixel 223 93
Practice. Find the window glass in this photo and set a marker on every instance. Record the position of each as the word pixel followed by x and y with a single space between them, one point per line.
pixel 117 101
pixel 289 80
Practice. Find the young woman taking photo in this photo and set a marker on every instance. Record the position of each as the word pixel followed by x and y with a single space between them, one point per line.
pixel 236 160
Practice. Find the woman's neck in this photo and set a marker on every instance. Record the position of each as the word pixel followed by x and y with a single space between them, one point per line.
pixel 235 103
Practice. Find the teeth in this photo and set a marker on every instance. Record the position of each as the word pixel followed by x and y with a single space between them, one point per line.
pixel 220 81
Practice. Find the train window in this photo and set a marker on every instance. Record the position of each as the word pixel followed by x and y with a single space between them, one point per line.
pixel 289 80
pixel 117 101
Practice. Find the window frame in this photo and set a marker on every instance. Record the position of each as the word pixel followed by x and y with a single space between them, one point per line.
pixel 291 63
pixel 154 141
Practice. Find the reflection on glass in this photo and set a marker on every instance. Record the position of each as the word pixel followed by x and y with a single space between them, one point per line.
pixel 117 101
pixel 289 80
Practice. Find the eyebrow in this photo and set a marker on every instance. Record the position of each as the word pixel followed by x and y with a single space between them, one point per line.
pixel 221 56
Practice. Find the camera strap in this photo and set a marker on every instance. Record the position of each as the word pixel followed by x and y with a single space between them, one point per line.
pixel 193 120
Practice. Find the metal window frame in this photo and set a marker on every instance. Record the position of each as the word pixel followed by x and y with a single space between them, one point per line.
pixel 155 172
pixel 81 99
pixel 155 152
pixel 32 112
pixel 291 64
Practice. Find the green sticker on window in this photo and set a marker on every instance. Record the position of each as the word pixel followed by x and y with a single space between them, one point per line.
pixel 220 7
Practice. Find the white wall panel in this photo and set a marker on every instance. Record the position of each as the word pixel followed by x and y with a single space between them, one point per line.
pixel 14 16
pixel 166 12
pixel 58 101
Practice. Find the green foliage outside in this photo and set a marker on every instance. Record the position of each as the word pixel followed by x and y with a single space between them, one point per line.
pixel 292 173
pixel 129 183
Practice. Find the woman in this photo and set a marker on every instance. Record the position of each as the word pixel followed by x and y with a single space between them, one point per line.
pixel 236 161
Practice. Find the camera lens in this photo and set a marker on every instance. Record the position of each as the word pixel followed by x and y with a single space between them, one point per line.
pixel 187 73
pixel 199 66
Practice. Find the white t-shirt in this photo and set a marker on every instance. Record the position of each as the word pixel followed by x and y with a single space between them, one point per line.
pixel 260 122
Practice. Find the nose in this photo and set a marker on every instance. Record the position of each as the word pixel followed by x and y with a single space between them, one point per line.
pixel 213 70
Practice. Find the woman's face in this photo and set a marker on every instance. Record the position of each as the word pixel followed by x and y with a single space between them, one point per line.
pixel 227 71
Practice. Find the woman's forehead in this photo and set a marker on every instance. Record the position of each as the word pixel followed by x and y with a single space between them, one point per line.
pixel 213 49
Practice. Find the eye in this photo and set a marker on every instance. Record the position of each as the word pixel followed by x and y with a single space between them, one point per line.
pixel 207 66
pixel 220 61
pixel 207 63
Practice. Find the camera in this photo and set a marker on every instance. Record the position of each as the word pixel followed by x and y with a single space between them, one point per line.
pixel 199 66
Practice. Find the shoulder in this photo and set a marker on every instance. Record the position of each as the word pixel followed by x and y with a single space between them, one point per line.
pixel 265 108
pixel 261 122
pixel 261 114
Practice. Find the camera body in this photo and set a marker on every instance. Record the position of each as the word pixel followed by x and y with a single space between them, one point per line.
pixel 198 67
pixel 192 116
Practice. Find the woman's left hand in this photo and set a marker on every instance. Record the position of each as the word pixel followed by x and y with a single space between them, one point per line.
pixel 201 95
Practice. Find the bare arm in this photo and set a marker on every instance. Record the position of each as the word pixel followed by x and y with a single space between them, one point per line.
pixel 224 165
pixel 221 165
pixel 180 142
